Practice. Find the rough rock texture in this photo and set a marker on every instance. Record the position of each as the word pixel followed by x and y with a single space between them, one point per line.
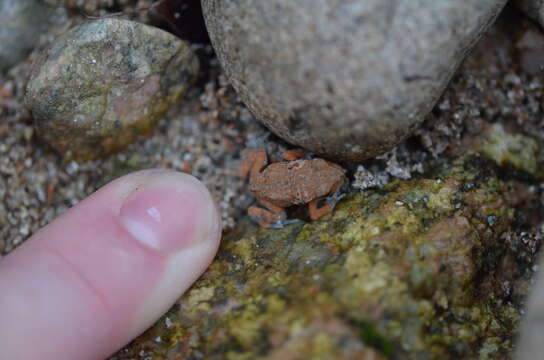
pixel 106 82
pixel 413 271
pixel 21 23
pixel 347 80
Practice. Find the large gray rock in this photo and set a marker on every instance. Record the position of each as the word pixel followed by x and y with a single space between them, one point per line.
pixel 106 82
pixel 21 23
pixel 345 79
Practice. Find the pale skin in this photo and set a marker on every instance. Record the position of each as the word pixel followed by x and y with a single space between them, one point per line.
pixel 296 181
pixel 99 275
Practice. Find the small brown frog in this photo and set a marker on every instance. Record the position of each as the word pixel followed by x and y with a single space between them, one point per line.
pixel 296 181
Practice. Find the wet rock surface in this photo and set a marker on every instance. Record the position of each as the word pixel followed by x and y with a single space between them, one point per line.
pixel 104 83
pixel 22 22
pixel 345 80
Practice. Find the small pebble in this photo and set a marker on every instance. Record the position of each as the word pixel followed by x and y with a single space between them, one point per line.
pixel 104 83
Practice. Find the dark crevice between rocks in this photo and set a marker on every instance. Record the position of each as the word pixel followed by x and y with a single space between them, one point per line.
pixel 184 19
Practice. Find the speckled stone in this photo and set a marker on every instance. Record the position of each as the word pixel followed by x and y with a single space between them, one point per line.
pixel 21 23
pixel 106 82
pixel 345 79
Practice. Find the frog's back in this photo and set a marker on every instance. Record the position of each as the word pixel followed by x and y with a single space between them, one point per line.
pixel 315 179
pixel 274 184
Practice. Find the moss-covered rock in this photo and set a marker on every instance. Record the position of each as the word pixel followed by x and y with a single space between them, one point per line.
pixel 402 272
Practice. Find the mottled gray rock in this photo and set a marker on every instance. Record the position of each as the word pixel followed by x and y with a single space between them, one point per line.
pixel 21 23
pixel 106 82
pixel 345 79
pixel 532 8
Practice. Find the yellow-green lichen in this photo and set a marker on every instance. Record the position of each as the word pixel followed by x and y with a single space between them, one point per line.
pixel 516 150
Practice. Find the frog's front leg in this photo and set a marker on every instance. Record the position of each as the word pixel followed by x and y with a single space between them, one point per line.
pixel 253 161
pixel 298 154
pixel 270 216
pixel 292 155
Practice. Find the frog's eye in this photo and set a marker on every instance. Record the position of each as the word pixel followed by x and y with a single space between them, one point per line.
pixel 295 165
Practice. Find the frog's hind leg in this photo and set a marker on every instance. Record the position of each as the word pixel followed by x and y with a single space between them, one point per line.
pixel 317 211
pixel 253 161
pixel 270 216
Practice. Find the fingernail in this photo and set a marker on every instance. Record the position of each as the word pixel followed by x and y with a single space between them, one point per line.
pixel 167 218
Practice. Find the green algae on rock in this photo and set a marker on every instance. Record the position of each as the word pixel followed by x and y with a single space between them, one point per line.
pixel 106 82
pixel 405 272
